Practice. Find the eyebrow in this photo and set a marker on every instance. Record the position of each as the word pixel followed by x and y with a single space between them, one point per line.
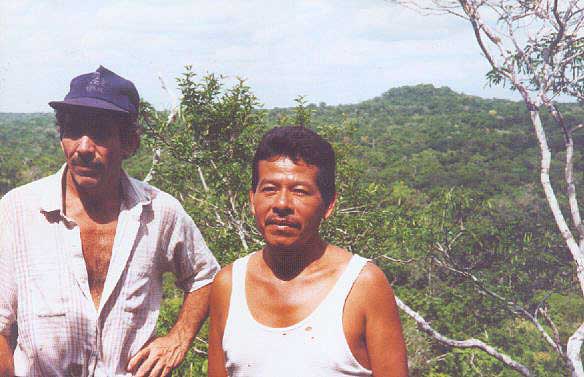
pixel 295 183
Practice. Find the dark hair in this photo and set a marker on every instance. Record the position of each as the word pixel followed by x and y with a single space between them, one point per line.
pixel 129 124
pixel 299 143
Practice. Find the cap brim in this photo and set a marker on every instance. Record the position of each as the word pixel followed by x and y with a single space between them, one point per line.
pixel 93 103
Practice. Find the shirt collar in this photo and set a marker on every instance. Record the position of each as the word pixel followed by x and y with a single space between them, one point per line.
pixel 52 195
pixel 133 193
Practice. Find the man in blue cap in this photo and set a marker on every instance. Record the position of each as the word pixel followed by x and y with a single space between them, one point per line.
pixel 82 252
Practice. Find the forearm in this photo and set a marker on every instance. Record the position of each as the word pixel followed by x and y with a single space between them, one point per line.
pixel 193 313
pixel 165 353
pixel 6 358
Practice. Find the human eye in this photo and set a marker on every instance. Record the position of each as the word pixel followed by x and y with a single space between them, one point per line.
pixel 268 188
pixel 100 133
pixel 301 191
pixel 71 131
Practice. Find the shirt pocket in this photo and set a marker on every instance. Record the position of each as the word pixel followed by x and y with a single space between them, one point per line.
pixel 47 334
pixel 137 291
pixel 138 279
pixel 46 289
pixel 136 306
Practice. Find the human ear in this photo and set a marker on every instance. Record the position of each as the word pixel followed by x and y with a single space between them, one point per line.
pixel 130 144
pixel 251 206
pixel 331 206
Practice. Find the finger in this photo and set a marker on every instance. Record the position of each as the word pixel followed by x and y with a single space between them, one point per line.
pixel 146 366
pixel 166 371
pixel 137 359
pixel 157 370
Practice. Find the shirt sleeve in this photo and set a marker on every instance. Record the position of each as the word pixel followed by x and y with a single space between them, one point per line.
pixel 188 255
pixel 8 291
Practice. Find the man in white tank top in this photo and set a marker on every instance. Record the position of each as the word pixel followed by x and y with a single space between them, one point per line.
pixel 301 306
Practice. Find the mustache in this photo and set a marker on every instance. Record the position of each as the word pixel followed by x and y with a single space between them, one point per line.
pixel 93 164
pixel 283 221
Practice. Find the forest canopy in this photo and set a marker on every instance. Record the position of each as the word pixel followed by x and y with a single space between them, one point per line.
pixel 428 179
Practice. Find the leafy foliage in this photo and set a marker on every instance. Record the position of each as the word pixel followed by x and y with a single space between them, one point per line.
pixel 425 175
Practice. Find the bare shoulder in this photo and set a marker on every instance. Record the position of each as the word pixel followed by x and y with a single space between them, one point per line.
pixel 337 256
pixel 220 297
pixel 372 287
pixel 373 277
pixel 222 282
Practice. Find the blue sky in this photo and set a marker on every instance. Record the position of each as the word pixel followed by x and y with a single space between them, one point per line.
pixel 331 51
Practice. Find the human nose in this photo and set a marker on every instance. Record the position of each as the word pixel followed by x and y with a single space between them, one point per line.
pixel 86 148
pixel 283 205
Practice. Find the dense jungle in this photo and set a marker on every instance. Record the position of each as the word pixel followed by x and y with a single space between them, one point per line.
pixel 439 188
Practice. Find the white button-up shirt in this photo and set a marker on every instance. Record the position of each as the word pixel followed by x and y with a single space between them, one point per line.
pixel 44 287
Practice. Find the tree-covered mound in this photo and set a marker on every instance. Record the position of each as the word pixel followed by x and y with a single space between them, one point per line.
pixel 439 188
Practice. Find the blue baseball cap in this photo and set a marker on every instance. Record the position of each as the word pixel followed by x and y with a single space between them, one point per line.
pixel 101 89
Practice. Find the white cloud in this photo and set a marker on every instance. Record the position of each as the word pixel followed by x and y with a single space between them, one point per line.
pixel 337 52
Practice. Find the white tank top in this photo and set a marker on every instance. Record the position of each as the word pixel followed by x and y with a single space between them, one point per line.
pixel 315 346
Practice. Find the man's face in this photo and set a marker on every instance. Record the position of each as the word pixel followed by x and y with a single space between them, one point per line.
pixel 287 204
pixel 93 150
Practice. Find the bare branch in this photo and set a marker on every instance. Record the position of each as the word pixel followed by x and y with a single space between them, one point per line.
pixel 171 118
pixel 199 339
pixel 438 8
pixel 546 316
pixel 571 58
pixel 477 26
pixel 552 199
pixel 561 24
pixel 513 306
pixel 396 260
pixel 469 343
pixel 155 161
pixel 569 169
pixel 535 45
pixel 199 351
pixel 236 221
pixel 576 128
pixel 202 179
pixel 573 351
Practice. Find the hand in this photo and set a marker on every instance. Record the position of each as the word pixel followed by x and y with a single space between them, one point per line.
pixel 158 358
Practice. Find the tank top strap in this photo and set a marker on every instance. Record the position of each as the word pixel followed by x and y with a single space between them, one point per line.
pixel 347 279
pixel 237 300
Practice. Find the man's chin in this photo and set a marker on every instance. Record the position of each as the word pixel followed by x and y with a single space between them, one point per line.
pixel 283 244
pixel 86 183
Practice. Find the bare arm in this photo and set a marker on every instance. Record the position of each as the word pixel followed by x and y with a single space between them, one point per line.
pixel 6 360
pixel 165 353
pixel 219 303
pixel 383 333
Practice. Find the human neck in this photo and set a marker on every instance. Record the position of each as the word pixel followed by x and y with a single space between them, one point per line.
pixel 286 264
pixel 101 205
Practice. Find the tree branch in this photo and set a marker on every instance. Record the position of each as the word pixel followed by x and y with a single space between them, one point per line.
pixel 513 306
pixel 171 118
pixel 573 351
pixel 552 199
pixel 155 161
pixel 551 323
pixel 569 170
pixel 469 343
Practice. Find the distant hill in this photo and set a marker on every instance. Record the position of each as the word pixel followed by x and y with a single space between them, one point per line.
pixel 439 163
pixel 426 136
pixel 29 148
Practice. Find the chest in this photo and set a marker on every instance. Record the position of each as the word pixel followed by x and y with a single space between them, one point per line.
pixel 313 320
pixel 281 304
pixel 97 242
pixel 97 239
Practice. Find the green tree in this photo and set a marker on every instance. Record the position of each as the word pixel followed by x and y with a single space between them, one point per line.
pixel 536 48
